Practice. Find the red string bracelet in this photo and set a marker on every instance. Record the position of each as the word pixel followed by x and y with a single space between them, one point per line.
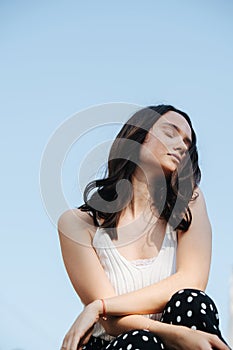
pixel 104 317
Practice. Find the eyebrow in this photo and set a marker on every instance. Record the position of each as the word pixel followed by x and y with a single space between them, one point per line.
pixel 187 139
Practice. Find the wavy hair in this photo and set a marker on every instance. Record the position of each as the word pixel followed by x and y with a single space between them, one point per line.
pixel 170 196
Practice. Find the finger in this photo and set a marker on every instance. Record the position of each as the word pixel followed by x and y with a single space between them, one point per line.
pixel 75 343
pixel 64 344
pixel 69 342
pixel 218 343
pixel 63 347
pixel 84 340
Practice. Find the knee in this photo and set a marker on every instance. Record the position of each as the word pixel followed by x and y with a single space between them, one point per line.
pixel 192 308
pixel 195 298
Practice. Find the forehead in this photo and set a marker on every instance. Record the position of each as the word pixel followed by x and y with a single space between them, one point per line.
pixel 177 119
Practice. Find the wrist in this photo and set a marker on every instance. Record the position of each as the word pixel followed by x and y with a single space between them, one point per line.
pixel 96 307
pixel 172 333
pixel 100 307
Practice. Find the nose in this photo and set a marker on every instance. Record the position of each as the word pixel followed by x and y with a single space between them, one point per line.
pixel 181 147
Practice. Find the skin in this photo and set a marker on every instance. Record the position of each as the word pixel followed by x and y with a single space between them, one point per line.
pixel 162 139
pixel 76 232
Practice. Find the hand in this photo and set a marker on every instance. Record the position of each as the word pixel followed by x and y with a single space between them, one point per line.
pixel 189 339
pixel 82 328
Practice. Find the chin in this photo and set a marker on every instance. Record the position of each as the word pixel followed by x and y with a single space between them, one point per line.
pixel 168 169
pixel 170 166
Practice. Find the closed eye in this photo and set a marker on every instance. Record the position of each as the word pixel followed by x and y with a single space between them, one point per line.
pixel 168 134
pixel 175 128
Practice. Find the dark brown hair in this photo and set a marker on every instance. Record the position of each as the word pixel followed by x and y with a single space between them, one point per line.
pixel 170 196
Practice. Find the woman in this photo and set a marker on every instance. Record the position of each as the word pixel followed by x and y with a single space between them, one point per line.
pixel 138 251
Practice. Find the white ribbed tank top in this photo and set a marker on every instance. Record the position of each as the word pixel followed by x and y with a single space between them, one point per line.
pixel 129 275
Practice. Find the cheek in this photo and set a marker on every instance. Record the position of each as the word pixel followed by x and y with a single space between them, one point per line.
pixel 159 146
pixel 159 141
pixel 153 150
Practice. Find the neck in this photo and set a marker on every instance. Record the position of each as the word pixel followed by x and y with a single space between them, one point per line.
pixel 142 195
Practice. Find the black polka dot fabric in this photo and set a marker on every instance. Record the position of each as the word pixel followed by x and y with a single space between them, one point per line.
pixel 188 307
pixel 193 309
pixel 132 340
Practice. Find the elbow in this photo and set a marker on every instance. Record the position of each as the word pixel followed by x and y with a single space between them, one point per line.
pixel 108 326
pixel 199 282
pixel 112 332
pixel 111 326
pixel 192 281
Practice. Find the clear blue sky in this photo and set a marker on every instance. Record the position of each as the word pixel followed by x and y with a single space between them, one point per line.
pixel 60 57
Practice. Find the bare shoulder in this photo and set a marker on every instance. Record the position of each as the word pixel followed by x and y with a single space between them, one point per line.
pixel 200 219
pixel 76 225
pixel 198 200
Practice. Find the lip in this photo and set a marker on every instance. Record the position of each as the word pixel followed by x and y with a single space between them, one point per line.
pixel 175 155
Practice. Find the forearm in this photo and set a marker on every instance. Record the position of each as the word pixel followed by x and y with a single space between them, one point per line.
pixel 115 325
pixel 173 336
pixel 124 311
pixel 151 299
pixel 118 325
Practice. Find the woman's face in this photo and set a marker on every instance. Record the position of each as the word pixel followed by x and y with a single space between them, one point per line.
pixel 167 141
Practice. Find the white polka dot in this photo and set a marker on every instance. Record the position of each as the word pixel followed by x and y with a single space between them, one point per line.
pixel 181 291
pixel 177 303
pixel 217 316
pixel 125 336
pixel 189 313
pixel 203 305
pixel 170 322
pixel 107 346
pixel 203 311
pixel 204 324
pixel 155 340
pixel 146 330
pixel 169 309
pixel 211 307
pixel 129 346
pixel 178 318
pixel 162 346
pixel 214 327
pixel 134 333
pixel 189 299
pixel 115 343
pixel 202 293
pixel 193 327
pixel 194 294
pixel 145 338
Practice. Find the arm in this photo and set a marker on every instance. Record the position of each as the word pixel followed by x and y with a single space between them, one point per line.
pixel 96 284
pixel 193 263
pixel 193 256
pixel 174 337
pixel 82 264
